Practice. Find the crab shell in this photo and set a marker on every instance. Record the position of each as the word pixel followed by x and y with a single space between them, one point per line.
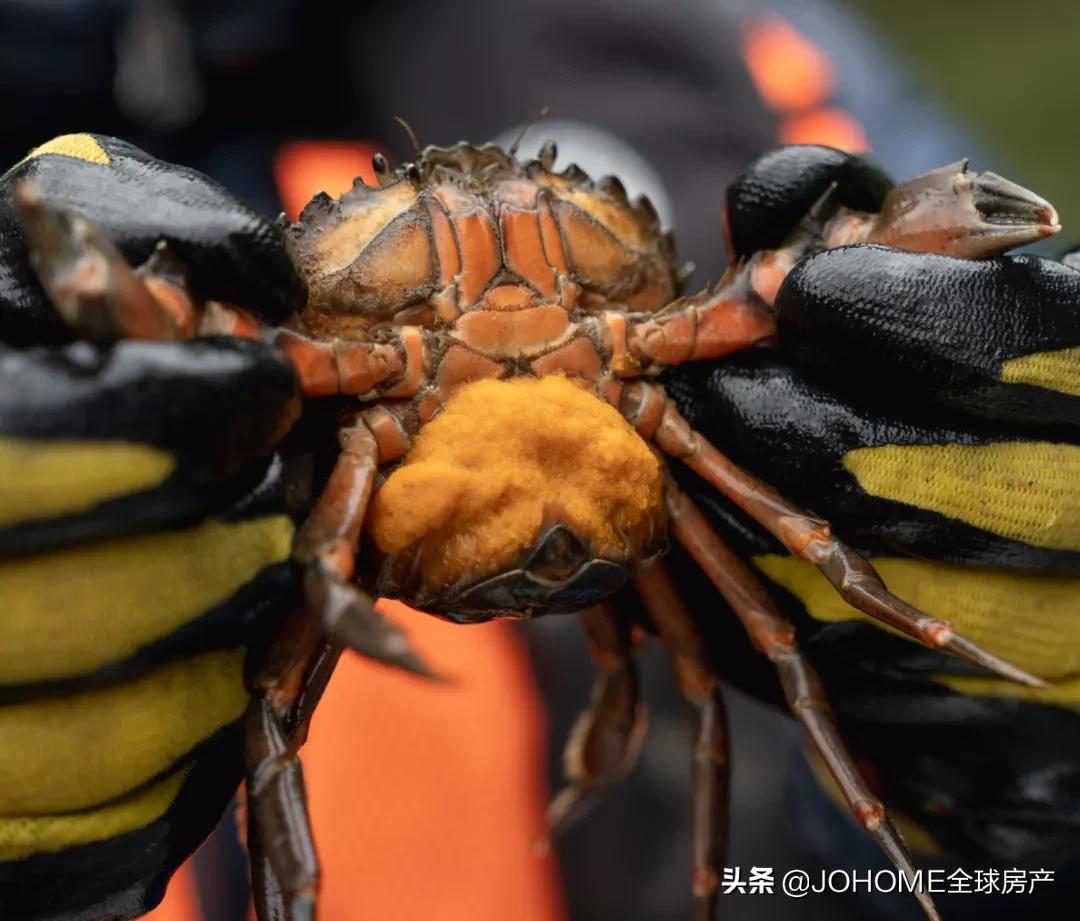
pixel 470 228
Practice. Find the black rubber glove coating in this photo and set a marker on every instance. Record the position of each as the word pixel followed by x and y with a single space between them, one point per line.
pixel 776 191
pixel 896 321
pixel 231 253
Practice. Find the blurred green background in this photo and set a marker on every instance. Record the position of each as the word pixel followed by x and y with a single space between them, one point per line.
pixel 1014 70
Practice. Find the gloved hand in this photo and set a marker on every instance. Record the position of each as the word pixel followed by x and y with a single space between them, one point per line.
pixel 144 543
pixel 929 407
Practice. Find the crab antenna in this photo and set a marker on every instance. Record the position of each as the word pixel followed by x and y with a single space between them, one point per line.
pixel 412 135
pixel 540 116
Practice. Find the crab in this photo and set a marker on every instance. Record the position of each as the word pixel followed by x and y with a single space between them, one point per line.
pixel 488 333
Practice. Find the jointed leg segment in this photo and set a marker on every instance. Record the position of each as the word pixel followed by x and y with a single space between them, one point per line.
pixel 710 777
pixel 805 536
pixel 705 326
pixel 295 670
pixel 604 744
pixel 775 637
pixel 285 869
pixel 327 545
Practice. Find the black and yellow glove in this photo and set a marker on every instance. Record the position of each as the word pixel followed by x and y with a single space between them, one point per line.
pixel 929 408
pixel 144 545
pixel 229 252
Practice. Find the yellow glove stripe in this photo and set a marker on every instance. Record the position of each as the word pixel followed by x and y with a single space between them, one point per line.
pixel 66 753
pixel 80 146
pixel 22 836
pixel 1062 693
pixel 46 478
pixel 1051 370
pixel 70 612
pixel 1026 491
pixel 1033 621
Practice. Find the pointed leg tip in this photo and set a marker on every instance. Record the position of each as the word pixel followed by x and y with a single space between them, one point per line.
pixel 928 906
pixel 419 667
pixel 968 651
pixel 349 618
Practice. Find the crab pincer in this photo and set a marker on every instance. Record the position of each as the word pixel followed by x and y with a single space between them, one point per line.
pixel 955 211
pixel 799 201
pixel 91 284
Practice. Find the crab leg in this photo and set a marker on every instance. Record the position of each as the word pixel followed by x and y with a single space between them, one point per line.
pixel 100 296
pixel 394 367
pixel 775 638
pixel 710 778
pixel 91 284
pixel 605 742
pixel 805 536
pixel 950 210
pixel 327 545
pixel 317 674
pixel 284 866
pixel 295 668
pixel 285 869
pixel 711 324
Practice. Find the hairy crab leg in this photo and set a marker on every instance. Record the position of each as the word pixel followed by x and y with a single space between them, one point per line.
pixel 285 868
pixel 805 536
pixel 951 210
pixel 101 296
pixel 711 774
pixel 394 368
pixel 712 324
pixel 327 545
pixel 294 668
pixel 606 739
pixel 775 638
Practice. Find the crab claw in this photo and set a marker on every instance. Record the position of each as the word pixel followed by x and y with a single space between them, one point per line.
pixel 957 212
pixel 88 281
